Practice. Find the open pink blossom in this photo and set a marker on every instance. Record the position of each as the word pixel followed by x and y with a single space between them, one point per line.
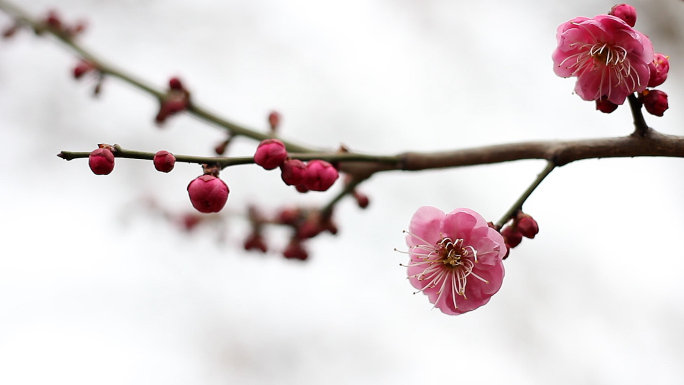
pixel 610 58
pixel 456 258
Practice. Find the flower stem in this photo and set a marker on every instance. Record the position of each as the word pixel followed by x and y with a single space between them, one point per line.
pixel 517 206
pixel 640 126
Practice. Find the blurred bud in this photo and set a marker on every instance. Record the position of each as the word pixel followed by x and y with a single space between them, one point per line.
pixel 295 250
pixel 255 242
pixel 82 67
pixel 361 199
pixel 274 120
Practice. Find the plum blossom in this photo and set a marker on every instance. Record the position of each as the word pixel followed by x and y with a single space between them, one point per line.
pixel 609 58
pixel 455 258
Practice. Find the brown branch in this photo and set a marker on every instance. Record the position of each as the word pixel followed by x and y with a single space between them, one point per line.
pixel 559 153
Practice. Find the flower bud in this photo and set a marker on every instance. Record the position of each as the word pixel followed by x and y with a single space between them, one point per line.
pixel 320 175
pixel 655 102
pixel 270 154
pixel 605 106
pixel 293 172
pixel 164 161
pixel 175 84
pixel 274 120
pixel 255 242
pixel 82 68
pixel 659 67
pixel 361 199
pixel 527 226
pixel 289 216
pixel 625 12
pixel 208 194
pixel 101 161
pixel 295 250
pixel 512 236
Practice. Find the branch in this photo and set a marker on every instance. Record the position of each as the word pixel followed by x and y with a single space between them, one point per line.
pixel 107 69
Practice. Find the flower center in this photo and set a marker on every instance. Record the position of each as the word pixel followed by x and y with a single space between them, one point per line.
pixel 452 253
pixel 608 54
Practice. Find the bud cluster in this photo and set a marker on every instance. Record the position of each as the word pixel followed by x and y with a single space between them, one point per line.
pixel 316 175
pixel 177 99
pixel 523 225
pixel 304 224
pixel 53 22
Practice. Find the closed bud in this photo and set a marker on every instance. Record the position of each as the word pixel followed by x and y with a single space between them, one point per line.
pixel 164 161
pixel 605 106
pixel 255 242
pixel 527 226
pixel 655 102
pixel 274 120
pixel 320 175
pixel 270 154
pixel 293 172
pixel 101 161
pixel 625 12
pixel 295 250
pixel 512 236
pixel 208 194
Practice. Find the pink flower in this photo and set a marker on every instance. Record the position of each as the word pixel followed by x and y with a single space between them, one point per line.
pixel 610 59
pixel 208 194
pixel 456 258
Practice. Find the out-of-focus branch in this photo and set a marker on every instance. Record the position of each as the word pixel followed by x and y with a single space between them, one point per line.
pixel 105 68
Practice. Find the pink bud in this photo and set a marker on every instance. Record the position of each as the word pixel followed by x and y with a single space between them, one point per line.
pixel 82 68
pixel 512 236
pixel 293 172
pixel 659 67
pixel 320 175
pixel 255 242
pixel 625 12
pixel 605 106
pixel 164 161
pixel 274 120
pixel 655 102
pixel 175 84
pixel 302 188
pixel 289 216
pixel 527 226
pixel 208 193
pixel 270 154
pixel 101 161
pixel 361 199
pixel 295 250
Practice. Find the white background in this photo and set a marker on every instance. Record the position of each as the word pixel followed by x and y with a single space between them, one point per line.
pixel 96 288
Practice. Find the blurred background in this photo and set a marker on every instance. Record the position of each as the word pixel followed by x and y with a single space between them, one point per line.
pixel 95 287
